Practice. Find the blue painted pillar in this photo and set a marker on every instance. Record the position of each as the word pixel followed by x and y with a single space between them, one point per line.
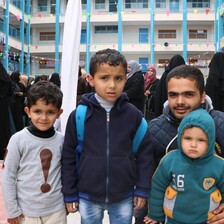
pixel 88 15
pixel 152 29
pixel 120 25
pixel 218 24
pixel 28 61
pixel 6 31
pixel 21 55
pixel 185 29
pixel 57 36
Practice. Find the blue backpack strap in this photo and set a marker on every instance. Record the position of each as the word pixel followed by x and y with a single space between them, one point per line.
pixel 80 116
pixel 139 135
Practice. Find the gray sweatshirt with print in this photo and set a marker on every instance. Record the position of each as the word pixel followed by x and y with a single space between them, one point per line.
pixel 31 178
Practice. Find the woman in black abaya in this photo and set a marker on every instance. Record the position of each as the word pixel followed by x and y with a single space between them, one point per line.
pixel 5 96
pixel 215 82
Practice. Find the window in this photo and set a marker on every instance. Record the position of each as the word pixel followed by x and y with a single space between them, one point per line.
pixel 84 4
pixel 160 3
pixel 46 64
pixel 113 5
pixel 136 4
pixel 47 36
pixel 143 35
pixel 163 62
pixel 42 5
pixel 53 6
pixel 83 36
pixel 164 34
pixel 106 29
pixel 100 4
pixel 174 5
pixel 198 34
pixel 198 3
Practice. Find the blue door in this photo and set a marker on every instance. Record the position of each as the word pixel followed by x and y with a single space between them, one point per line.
pixel 144 62
pixel 174 5
pixel 83 37
pixel 143 35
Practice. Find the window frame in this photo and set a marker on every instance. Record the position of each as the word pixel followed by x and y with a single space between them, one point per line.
pixel 167 34
pixel 47 34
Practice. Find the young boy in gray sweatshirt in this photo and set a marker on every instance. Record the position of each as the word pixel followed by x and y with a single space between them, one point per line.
pixel 31 178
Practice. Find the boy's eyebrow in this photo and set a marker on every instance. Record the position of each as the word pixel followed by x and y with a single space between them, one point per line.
pixel 173 92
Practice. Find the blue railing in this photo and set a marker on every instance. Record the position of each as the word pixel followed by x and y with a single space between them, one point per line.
pixel 13 32
pixel 18 4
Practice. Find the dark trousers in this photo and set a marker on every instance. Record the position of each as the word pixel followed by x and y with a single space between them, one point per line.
pixel 140 214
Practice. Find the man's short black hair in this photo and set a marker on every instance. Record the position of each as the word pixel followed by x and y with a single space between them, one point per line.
pixel 108 56
pixel 46 91
pixel 188 72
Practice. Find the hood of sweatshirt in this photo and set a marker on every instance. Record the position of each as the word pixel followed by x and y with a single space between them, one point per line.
pixel 202 119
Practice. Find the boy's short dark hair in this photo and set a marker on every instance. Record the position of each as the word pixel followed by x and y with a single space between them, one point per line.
pixel 188 72
pixel 46 91
pixel 107 56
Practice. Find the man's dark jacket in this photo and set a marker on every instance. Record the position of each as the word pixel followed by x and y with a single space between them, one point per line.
pixel 163 131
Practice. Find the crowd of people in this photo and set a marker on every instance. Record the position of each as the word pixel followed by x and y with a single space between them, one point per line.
pixel 176 175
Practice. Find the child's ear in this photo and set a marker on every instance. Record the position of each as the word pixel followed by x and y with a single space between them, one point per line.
pixel 60 112
pixel 27 111
pixel 90 80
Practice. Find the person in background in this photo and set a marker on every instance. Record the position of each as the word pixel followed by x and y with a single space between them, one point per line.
pixel 6 96
pixel 30 82
pixel 24 88
pixel 134 87
pixel 31 177
pixel 151 82
pixel 107 176
pixel 190 191
pixel 55 78
pixel 150 85
pixel 215 81
pixel 44 77
pixel 82 86
pixel 88 88
pixel 161 91
pixel 186 92
pixel 37 79
pixel 17 105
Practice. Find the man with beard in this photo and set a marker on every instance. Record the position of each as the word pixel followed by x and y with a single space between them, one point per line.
pixel 186 92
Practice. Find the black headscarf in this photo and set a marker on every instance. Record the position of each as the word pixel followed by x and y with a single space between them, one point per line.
pixel 175 61
pixel 216 70
pixel 55 78
pixel 161 90
pixel 15 77
pixel 3 74
pixel 215 82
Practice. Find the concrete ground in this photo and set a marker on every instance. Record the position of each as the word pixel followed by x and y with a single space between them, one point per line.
pixel 75 218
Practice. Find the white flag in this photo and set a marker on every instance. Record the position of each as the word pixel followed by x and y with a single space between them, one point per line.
pixel 70 58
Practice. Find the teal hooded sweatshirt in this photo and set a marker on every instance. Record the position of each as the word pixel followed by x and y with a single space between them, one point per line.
pixel 188 190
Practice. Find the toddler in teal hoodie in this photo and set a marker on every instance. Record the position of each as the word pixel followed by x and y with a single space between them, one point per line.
pixel 189 182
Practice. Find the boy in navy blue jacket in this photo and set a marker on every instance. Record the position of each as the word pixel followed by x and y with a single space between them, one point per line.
pixel 109 176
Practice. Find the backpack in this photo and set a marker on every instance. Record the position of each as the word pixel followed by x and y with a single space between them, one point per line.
pixel 80 121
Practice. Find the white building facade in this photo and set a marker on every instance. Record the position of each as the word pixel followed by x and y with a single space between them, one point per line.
pixel 150 32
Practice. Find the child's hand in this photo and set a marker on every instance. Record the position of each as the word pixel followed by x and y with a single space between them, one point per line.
pixel 151 221
pixel 72 207
pixel 139 202
pixel 16 220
